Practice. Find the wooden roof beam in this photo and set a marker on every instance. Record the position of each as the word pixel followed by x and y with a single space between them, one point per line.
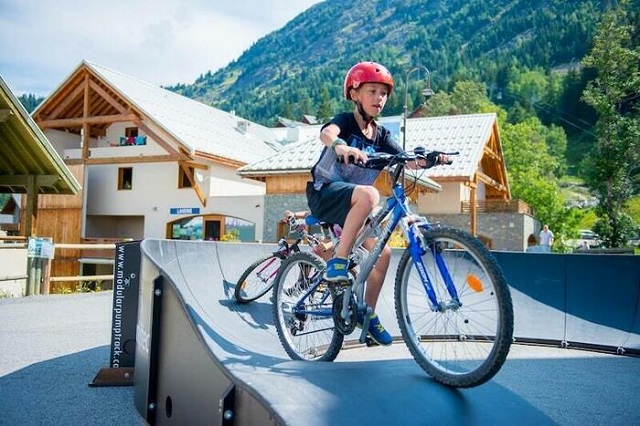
pixel 220 160
pixel 491 153
pixel 192 164
pixel 157 138
pixel 194 185
pixel 491 182
pixel 24 180
pixel 65 103
pixel 113 102
pixel 77 122
pixel 127 160
pixel 86 127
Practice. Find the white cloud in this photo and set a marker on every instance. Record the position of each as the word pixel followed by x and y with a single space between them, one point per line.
pixel 163 42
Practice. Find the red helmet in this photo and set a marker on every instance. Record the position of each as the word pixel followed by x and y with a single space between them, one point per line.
pixel 366 72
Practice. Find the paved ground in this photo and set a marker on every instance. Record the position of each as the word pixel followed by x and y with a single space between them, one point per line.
pixel 51 348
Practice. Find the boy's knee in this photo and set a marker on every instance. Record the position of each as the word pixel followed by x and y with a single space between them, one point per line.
pixel 367 194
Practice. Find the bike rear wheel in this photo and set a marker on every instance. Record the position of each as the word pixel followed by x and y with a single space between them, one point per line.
pixel 257 279
pixel 302 310
pixel 459 344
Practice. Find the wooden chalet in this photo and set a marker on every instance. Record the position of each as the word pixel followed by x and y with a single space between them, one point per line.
pixel 153 164
pixel 473 193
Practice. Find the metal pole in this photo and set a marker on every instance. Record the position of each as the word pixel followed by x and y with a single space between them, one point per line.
pixel 406 100
pixel 405 106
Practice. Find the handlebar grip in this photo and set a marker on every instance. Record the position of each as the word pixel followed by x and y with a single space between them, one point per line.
pixel 434 157
pixel 351 160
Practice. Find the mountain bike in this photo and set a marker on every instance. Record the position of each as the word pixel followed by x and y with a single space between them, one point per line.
pixel 452 301
pixel 258 278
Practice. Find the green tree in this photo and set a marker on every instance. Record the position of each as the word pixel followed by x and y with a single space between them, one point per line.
pixel 325 110
pixel 530 168
pixel 29 102
pixel 529 87
pixel 556 141
pixel 467 97
pixel 304 105
pixel 286 111
pixel 613 94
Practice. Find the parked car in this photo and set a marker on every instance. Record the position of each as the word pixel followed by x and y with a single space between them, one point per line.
pixel 587 239
pixel 587 234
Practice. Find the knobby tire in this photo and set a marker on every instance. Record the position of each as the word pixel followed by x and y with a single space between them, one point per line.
pixel 461 346
pixel 307 337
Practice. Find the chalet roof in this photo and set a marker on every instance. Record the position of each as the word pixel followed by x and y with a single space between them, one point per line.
pixel 26 155
pixel 10 206
pixel 197 127
pixel 474 136
pixel 299 157
pixel 285 122
pixel 466 134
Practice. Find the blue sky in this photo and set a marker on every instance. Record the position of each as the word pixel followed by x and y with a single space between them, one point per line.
pixel 163 42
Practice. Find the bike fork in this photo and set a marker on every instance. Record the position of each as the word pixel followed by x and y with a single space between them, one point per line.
pixel 416 257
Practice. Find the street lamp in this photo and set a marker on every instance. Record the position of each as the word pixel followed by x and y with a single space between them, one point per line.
pixel 426 92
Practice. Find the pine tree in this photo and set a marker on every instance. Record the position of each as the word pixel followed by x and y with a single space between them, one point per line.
pixel 614 95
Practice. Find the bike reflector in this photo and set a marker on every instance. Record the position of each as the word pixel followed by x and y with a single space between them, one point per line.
pixel 474 282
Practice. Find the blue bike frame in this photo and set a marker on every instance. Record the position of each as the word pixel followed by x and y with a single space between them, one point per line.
pixel 397 207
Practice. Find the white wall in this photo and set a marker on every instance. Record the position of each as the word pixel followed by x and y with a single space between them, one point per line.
pixel 446 201
pixel 154 188
pixel 62 141
pixel 155 191
pixel 123 227
pixel 14 265
pixel 225 182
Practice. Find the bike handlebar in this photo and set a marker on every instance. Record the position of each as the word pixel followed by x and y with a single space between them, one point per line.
pixel 380 160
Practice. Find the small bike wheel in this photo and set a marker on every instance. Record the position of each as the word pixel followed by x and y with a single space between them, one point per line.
pixel 302 310
pixel 257 279
pixel 464 341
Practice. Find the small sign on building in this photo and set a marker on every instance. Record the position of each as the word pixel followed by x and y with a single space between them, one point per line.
pixel 184 210
pixel 40 248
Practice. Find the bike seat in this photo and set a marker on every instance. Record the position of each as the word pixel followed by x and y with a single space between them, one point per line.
pixel 312 221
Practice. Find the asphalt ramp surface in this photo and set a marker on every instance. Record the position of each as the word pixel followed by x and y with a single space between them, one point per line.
pixel 51 348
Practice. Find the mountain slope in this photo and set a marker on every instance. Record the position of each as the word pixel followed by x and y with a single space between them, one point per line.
pixel 455 39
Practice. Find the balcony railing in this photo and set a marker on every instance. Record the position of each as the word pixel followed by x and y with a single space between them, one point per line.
pixel 498 206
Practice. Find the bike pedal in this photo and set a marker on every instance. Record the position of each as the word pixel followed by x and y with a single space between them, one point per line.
pixel 370 342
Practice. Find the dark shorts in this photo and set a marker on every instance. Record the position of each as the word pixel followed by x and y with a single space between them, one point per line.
pixel 332 203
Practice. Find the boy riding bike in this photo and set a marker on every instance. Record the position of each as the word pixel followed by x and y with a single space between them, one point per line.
pixel 343 193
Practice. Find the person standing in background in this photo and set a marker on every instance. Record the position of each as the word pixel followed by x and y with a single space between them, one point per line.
pixel 546 238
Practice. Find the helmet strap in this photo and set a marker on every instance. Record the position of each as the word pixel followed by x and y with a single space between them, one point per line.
pixel 368 119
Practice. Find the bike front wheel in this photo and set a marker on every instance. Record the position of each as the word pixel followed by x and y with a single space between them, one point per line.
pixel 302 310
pixel 464 339
pixel 257 279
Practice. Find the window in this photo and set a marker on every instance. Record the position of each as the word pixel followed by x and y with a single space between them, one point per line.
pixel 131 137
pixel 186 177
pixel 125 178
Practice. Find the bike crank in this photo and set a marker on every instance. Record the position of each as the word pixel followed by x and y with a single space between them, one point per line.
pixel 344 326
